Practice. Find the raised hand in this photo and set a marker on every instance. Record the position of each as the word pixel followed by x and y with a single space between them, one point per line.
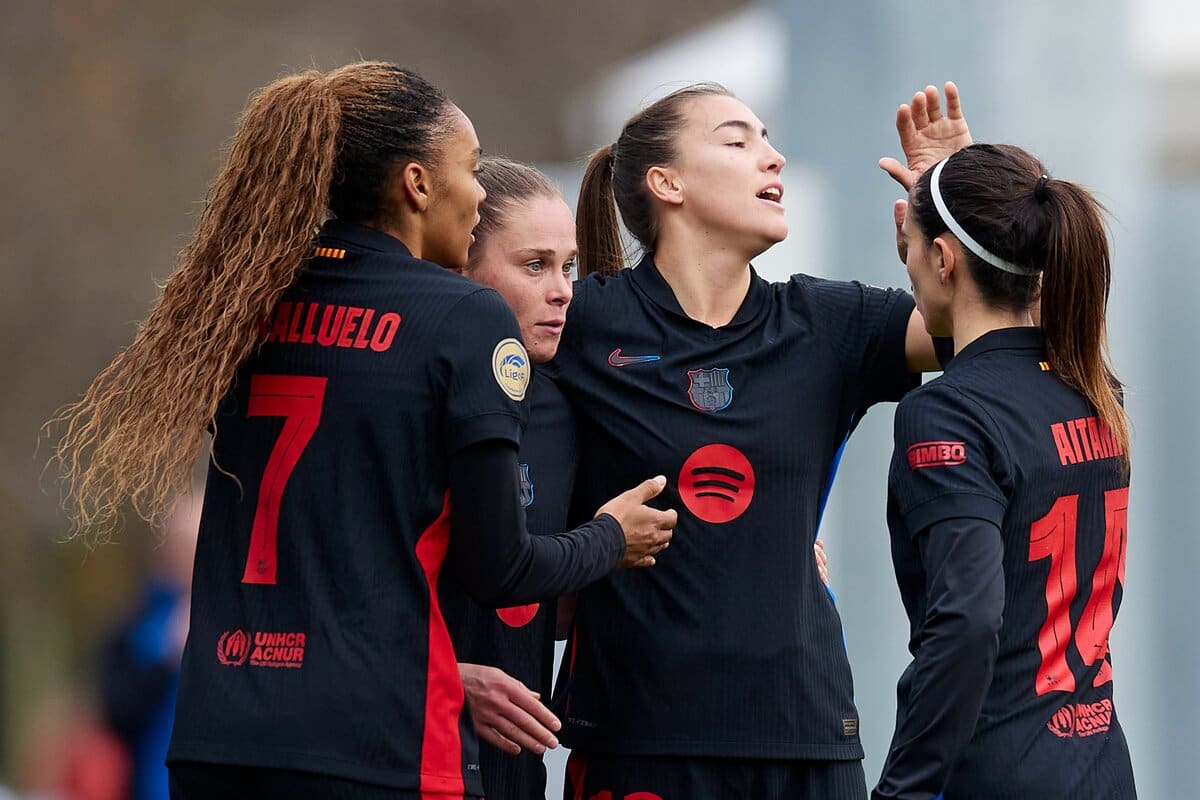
pixel 926 134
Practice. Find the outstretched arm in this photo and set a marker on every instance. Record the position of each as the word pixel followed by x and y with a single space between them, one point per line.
pixel 926 134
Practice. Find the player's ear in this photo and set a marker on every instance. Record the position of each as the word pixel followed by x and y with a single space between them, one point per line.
pixel 665 184
pixel 414 186
pixel 944 254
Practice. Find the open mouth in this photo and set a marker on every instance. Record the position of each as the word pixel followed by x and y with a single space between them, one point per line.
pixel 772 194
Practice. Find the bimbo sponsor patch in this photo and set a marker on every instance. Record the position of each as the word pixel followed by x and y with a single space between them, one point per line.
pixel 936 454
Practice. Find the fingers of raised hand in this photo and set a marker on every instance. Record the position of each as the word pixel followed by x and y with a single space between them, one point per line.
pixel 904 120
pixel 898 172
pixel 953 101
pixel 933 103
pixel 920 110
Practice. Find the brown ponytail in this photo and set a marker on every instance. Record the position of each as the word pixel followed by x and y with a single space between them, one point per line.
pixel 1075 287
pixel 616 176
pixel 139 428
pixel 1001 197
pixel 600 247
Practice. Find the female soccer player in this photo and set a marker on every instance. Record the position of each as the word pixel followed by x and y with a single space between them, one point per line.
pixel 366 406
pixel 525 249
pixel 723 674
pixel 1007 494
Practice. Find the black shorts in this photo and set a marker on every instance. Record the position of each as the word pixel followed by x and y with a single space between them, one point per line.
pixel 604 777
pixel 195 781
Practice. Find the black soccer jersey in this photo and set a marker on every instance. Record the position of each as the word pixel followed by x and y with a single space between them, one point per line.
pixel 730 646
pixel 520 640
pixel 317 642
pixel 1001 441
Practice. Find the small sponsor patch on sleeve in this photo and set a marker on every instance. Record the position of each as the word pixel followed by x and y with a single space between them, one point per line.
pixel 510 366
pixel 850 727
pixel 936 454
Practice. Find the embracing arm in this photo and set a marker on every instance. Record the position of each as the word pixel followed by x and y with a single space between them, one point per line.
pixel 499 563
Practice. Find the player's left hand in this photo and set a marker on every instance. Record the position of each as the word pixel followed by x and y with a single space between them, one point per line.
pixel 926 135
pixel 507 714
pixel 822 561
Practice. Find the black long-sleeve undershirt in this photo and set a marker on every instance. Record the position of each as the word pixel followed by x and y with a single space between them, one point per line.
pixel 942 691
pixel 493 555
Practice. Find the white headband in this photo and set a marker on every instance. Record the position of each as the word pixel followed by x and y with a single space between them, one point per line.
pixel 964 237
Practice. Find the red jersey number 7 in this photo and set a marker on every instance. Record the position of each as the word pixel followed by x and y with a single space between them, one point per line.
pixel 298 399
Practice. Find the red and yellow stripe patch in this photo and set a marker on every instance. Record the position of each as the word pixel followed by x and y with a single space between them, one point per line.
pixel 1045 365
pixel 330 252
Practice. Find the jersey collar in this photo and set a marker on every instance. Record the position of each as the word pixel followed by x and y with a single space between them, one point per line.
pixel 1027 338
pixel 363 237
pixel 647 278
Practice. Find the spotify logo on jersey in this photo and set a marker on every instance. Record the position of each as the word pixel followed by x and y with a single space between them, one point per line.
pixel 518 616
pixel 717 483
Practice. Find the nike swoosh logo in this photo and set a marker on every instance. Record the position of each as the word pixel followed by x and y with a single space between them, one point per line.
pixel 617 360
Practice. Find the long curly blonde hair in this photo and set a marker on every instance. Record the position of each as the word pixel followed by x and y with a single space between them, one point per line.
pixel 306 145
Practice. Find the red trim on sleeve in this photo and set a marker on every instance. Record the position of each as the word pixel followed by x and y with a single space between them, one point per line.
pixel 571 662
pixel 576 771
pixel 441 745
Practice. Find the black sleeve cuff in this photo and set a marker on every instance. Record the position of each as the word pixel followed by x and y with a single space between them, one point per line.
pixel 484 427
pixel 955 505
pixel 613 536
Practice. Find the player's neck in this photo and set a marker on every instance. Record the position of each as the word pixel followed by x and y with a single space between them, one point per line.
pixel 409 234
pixel 709 284
pixel 972 319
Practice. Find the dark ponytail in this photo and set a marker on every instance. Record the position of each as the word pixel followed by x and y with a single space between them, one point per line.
pixel 600 247
pixel 616 174
pixel 1075 287
pixel 1054 230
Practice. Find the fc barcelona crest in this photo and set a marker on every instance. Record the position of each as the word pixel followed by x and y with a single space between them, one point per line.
pixel 710 389
pixel 526 487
